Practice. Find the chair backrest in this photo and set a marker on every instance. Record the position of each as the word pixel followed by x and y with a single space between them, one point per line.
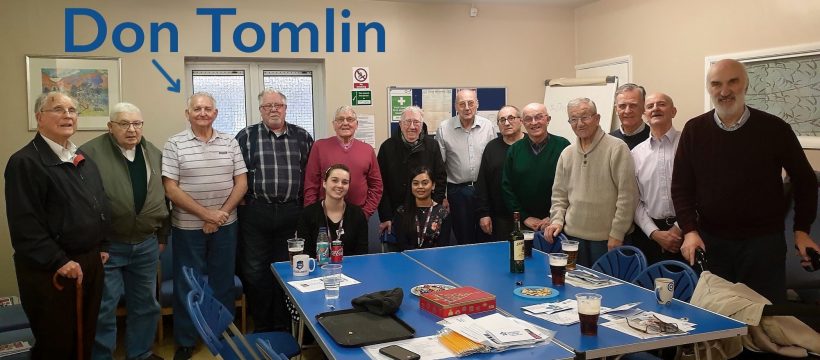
pixel 539 242
pixel 624 262
pixel 196 281
pixel 209 317
pixel 684 276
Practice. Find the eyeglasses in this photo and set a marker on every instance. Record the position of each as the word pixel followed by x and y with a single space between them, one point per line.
pixel 268 107
pixel 537 117
pixel 467 104
pixel 60 111
pixel 125 124
pixel 344 120
pixel 508 119
pixel 575 120
pixel 415 123
pixel 652 325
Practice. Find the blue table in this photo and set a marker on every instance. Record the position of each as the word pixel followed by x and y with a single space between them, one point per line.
pixel 486 266
pixel 382 272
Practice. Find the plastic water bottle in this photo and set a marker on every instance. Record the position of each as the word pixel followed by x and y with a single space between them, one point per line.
pixel 322 247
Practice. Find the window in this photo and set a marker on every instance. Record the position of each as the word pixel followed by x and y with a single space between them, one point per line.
pixel 236 85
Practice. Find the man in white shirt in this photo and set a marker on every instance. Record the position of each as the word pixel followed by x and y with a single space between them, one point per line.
pixel 660 238
pixel 462 139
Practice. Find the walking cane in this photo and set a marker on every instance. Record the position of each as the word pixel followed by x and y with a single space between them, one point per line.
pixel 56 283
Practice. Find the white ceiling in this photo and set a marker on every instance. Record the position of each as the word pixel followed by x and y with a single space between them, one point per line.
pixel 570 3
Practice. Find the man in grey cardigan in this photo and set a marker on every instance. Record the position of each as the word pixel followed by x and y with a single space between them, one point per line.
pixel 595 192
pixel 130 170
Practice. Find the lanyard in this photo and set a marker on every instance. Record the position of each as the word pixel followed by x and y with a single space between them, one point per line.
pixel 341 230
pixel 420 231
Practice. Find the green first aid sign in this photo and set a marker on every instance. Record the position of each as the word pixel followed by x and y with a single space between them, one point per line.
pixel 398 104
pixel 361 97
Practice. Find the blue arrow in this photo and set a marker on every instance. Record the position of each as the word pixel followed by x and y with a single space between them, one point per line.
pixel 174 83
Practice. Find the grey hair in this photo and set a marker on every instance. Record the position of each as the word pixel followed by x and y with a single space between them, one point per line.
pixel 580 101
pixel 467 90
pixel 272 91
pixel 345 108
pixel 201 94
pixel 414 109
pixel 123 107
pixel 517 110
pixel 631 87
pixel 47 96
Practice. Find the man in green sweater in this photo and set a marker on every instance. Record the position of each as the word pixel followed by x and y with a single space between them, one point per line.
pixel 595 191
pixel 130 170
pixel 529 169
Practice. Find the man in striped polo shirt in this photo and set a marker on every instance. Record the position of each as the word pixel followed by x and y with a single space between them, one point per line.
pixel 204 176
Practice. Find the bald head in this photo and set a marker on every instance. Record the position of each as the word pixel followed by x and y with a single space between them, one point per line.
pixel 726 83
pixel 659 110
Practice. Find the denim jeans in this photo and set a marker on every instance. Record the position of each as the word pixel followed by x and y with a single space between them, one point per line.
pixel 131 271
pixel 212 254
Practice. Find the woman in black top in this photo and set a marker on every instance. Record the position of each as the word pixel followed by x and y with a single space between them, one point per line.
pixel 420 219
pixel 343 221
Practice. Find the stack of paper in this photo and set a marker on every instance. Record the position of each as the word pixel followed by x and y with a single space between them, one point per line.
pixel 622 325
pixel 588 280
pixel 566 312
pixel 497 331
pixel 14 348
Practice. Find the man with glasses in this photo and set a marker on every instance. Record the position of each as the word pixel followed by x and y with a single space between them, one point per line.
pixel 365 176
pixel 493 216
pixel 629 104
pixel 58 223
pixel 529 170
pixel 595 193
pixel 130 165
pixel 462 139
pixel 204 176
pixel 275 153
pixel 398 156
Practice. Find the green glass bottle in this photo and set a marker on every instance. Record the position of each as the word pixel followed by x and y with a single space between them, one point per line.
pixel 516 246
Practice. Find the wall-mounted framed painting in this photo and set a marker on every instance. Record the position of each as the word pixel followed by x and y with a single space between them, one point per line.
pixel 93 81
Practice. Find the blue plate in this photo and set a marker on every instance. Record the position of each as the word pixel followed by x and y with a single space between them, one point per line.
pixel 521 292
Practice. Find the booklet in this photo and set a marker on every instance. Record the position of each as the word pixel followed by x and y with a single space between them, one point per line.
pixel 14 348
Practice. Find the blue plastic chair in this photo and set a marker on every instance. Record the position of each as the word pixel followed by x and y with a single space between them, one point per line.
pixel 210 317
pixel 267 351
pixel 624 262
pixel 539 242
pixel 684 276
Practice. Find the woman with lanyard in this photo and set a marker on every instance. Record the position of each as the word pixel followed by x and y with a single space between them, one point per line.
pixel 420 219
pixel 343 221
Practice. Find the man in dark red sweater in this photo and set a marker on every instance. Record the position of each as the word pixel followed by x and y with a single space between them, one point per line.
pixel 727 187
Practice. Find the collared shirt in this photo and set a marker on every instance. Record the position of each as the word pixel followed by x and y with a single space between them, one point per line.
pixel 276 162
pixel 537 147
pixel 738 124
pixel 654 159
pixel 638 130
pixel 65 154
pixel 204 170
pixel 461 149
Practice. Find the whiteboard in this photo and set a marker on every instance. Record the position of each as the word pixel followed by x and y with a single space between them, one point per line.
pixel 556 97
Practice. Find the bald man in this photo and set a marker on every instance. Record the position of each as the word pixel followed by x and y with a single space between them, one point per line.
pixel 728 191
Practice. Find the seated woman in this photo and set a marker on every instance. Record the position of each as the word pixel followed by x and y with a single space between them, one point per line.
pixel 420 219
pixel 343 221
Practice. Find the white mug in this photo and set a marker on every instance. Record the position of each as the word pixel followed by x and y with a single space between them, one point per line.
pixel 664 290
pixel 303 264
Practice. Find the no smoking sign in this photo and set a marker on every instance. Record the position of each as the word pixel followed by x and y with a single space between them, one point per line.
pixel 361 77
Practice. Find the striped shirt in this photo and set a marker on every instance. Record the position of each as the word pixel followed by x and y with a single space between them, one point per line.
pixel 276 163
pixel 204 171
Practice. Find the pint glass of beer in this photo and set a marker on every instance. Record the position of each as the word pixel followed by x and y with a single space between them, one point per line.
pixel 570 247
pixel 295 247
pixel 558 268
pixel 589 307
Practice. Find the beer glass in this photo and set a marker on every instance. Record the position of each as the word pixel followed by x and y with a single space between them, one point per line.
pixel 295 247
pixel 589 307
pixel 558 268
pixel 570 247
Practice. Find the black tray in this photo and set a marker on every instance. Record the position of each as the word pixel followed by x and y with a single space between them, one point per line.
pixel 354 328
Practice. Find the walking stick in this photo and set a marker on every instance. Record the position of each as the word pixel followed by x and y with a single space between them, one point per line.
pixel 79 300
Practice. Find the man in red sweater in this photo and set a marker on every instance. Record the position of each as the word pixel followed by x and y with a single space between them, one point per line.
pixel 727 187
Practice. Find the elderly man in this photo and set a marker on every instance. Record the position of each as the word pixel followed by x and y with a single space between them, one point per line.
pixel 275 153
pixel 594 195
pixel 139 231
pixel 493 216
pixel 58 219
pixel 659 236
pixel 629 105
pixel 462 139
pixel 728 191
pixel 204 176
pixel 398 156
pixel 529 170
pixel 365 177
